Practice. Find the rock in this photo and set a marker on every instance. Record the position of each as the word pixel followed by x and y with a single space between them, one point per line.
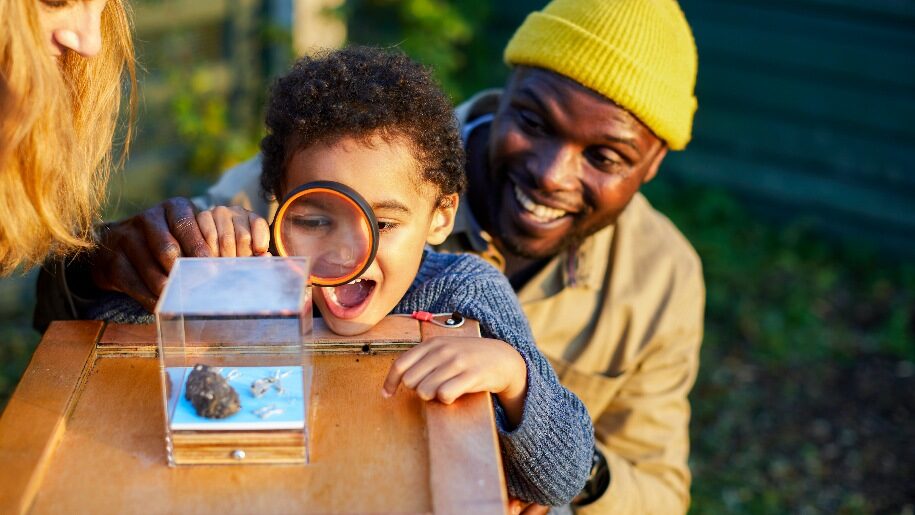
pixel 210 393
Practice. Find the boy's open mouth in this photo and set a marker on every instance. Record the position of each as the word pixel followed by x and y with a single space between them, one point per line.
pixel 350 299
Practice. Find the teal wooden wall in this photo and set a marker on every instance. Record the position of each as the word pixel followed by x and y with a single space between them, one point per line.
pixel 807 110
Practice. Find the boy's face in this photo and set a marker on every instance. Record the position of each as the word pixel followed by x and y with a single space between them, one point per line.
pixel 389 177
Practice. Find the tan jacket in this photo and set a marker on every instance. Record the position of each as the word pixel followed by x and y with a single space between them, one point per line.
pixel 624 336
pixel 620 318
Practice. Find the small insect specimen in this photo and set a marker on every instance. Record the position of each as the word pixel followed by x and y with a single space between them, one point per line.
pixel 267 411
pixel 261 386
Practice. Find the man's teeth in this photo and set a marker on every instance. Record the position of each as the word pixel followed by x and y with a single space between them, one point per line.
pixel 540 212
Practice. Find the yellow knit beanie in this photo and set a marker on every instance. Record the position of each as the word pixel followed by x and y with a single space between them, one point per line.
pixel 638 53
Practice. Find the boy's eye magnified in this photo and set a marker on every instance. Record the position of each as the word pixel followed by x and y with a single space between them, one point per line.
pixel 310 222
pixel 324 218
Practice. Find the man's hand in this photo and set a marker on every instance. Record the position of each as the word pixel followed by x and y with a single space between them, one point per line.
pixel 134 256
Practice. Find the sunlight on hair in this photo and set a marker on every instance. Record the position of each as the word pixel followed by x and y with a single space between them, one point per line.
pixel 57 123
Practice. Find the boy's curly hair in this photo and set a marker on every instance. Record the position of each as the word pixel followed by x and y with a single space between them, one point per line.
pixel 361 92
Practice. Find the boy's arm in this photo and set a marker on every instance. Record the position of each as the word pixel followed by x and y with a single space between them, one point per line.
pixel 548 453
pixel 547 456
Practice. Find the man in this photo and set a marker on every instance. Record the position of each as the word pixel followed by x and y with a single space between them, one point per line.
pixel 599 92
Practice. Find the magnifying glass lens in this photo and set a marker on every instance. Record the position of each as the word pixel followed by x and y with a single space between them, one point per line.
pixel 330 228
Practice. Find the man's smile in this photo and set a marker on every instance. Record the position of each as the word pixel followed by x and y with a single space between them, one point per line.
pixel 523 217
pixel 540 212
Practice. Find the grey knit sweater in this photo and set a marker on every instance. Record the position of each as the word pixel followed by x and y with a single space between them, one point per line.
pixel 547 456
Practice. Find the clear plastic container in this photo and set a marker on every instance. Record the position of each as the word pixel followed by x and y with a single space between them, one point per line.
pixel 236 376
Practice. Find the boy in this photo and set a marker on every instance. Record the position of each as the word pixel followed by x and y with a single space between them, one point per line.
pixel 376 122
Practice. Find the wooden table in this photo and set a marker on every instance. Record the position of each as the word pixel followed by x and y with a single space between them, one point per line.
pixel 84 433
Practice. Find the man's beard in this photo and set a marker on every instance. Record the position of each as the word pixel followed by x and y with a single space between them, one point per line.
pixel 514 245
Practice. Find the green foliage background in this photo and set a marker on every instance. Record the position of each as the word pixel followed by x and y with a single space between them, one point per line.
pixel 462 41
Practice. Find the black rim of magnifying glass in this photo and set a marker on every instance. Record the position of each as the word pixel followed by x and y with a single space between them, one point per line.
pixel 349 194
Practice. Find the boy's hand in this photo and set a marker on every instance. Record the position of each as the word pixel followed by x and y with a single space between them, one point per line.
pixel 519 507
pixel 234 232
pixel 446 367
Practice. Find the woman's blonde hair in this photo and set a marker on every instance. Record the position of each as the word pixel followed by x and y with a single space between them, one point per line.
pixel 57 125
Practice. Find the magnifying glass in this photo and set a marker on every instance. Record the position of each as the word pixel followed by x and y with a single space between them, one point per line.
pixel 331 224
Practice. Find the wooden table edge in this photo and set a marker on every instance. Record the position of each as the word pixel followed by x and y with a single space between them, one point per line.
pixel 460 436
pixel 36 416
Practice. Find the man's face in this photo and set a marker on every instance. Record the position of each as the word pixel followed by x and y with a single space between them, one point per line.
pixel 564 162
